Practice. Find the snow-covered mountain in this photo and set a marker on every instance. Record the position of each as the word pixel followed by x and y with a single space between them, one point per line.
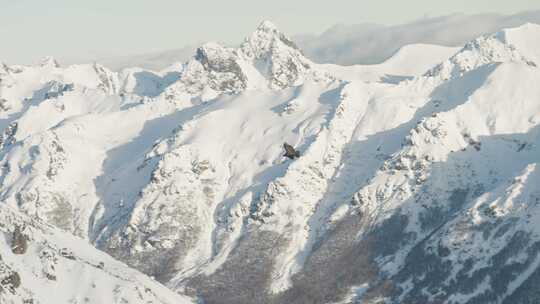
pixel 41 264
pixel 417 180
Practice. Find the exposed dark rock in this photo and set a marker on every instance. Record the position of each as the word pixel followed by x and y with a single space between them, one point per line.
pixel 50 277
pixel 225 73
pixel 57 89
pixel 429 274
pixel 245 276
pixel 19 241
pixel 4 106
pixel 158 262
pixel 337 263
pixel 64 252
pixel 442 251
pixel 8 135
pixel 288 42
pixel 10 281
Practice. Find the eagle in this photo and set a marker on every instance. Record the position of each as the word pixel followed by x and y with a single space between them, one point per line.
pixel 290 152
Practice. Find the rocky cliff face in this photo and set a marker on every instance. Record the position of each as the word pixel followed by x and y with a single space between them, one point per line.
pixel 267 58
pixel 414 189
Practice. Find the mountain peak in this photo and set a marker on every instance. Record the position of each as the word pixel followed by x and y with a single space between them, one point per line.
pixel 3 67
pixel 266 55
pixel 49 61
pixel 267 26
pixel 266 37
pixel 210 49
pixel 507 45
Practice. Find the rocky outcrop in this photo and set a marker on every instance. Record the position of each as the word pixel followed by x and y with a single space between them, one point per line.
pixel 276 56
pixel 19 241
pixel 267 58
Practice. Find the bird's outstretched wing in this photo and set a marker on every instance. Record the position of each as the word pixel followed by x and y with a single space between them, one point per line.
pixel 290 152
pixel 288 148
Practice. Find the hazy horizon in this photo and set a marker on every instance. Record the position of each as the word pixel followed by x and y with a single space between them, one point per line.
pixel 82 31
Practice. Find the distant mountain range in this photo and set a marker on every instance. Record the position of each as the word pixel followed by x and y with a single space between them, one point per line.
pixel 361 43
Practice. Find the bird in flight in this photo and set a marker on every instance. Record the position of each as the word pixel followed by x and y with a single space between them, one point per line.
pixel 290 152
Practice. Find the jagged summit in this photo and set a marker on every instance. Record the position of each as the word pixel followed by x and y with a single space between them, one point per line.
pixel 276 56
pixel 507 45
pixel 267 58
pixel 49 61
pixel 4 69
pixel 3 66
pixel 267 25
pixel 266 37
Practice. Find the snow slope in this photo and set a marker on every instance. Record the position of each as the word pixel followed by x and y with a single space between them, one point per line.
pixel 408 62
pixel 416 181
pixel 41 264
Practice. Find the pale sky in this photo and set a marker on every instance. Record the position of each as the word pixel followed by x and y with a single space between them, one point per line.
pixel 76 29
